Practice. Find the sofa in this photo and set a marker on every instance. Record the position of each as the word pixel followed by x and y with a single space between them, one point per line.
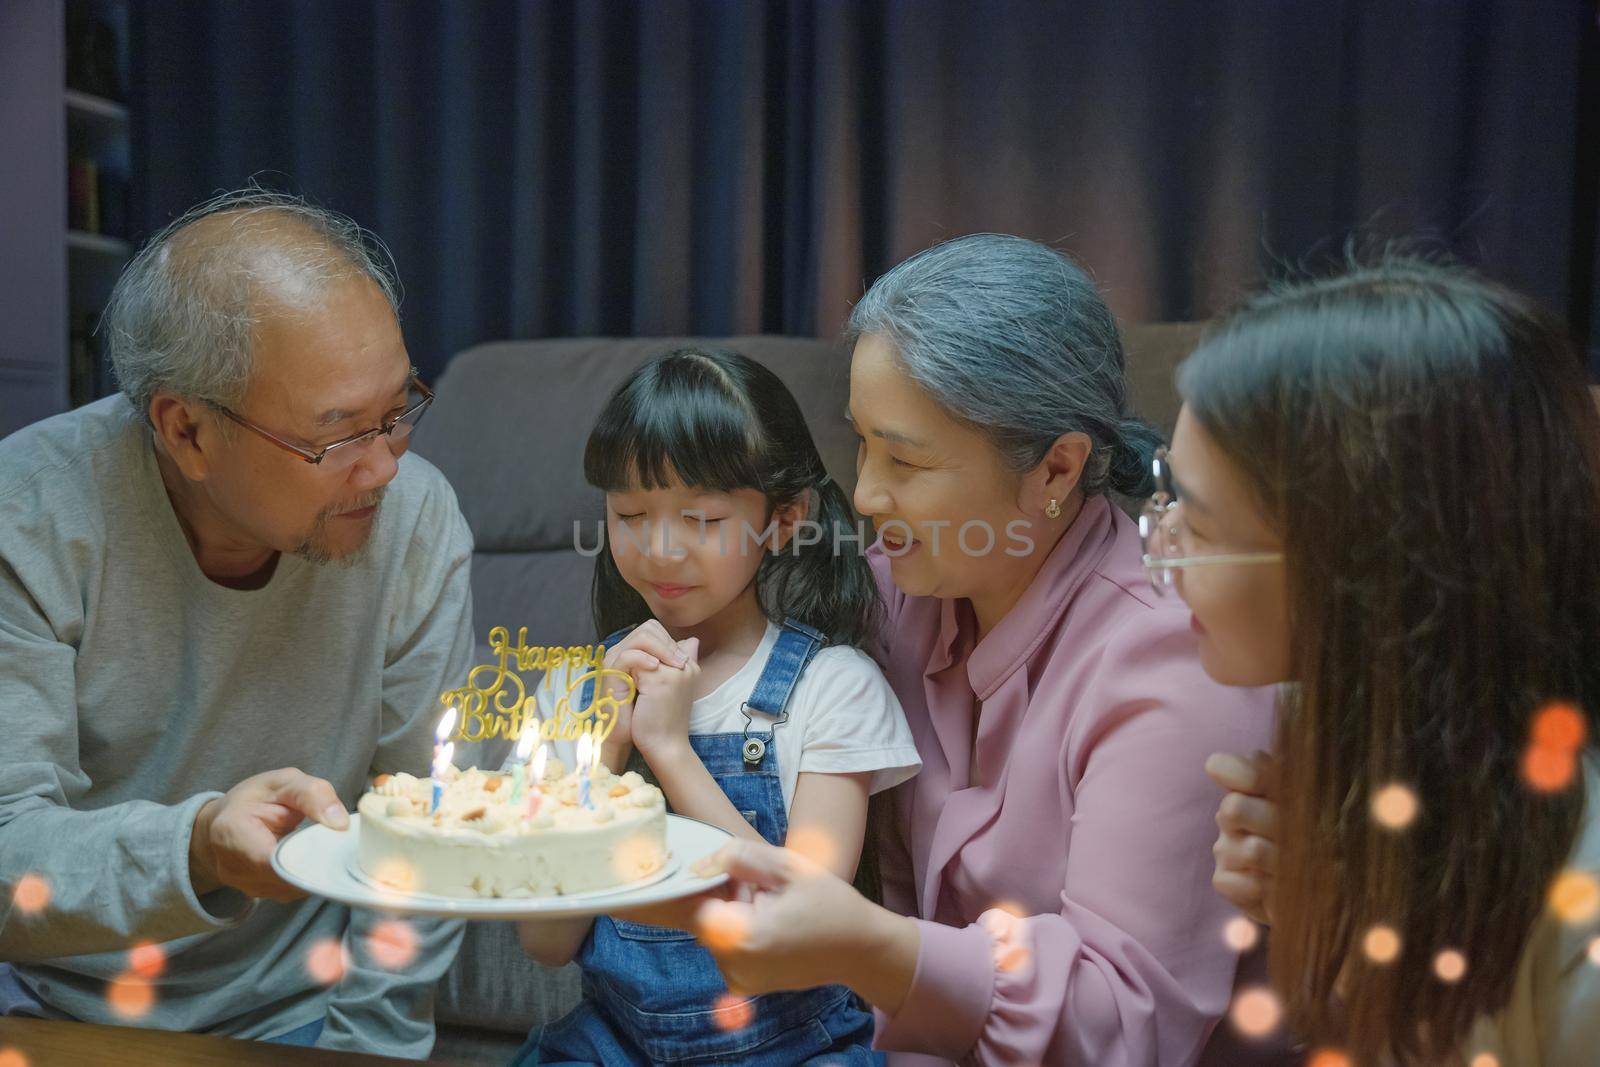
pixel 508 430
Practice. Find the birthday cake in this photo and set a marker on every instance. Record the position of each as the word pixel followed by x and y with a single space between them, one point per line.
pixel 477 833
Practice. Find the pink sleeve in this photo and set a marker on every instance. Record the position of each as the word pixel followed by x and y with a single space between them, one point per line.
pixel 1133 969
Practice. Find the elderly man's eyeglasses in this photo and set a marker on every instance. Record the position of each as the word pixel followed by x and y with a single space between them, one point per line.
pixel 343 453
pixel 1166 536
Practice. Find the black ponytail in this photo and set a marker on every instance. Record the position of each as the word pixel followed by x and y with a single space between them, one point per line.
pixel 824 582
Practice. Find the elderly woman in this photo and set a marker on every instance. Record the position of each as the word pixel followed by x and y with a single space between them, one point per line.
pixel 1047 877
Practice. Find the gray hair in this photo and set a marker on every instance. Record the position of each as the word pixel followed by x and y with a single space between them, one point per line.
pixel 183 312
pixel 1012 338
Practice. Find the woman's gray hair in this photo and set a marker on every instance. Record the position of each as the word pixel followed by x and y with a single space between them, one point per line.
pixel 183 312
pixel 1012 338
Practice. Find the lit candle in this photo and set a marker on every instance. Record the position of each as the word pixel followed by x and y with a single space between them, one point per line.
pixel 441 760
pixel 442 752
pixel 519 767
pixel 447 723
pixel 585 760
pixel 536 788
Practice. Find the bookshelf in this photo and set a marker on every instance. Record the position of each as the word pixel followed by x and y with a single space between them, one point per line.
pixel 65 69
pixel 98 165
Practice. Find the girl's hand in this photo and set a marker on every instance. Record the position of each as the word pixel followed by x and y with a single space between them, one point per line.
pixel 1246 850
pixel 799 926
pixel 644 650
pixel 661 710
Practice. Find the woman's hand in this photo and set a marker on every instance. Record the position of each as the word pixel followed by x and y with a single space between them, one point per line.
pixel 795 926
pixel 646 648
pixel 660 723
pixel 1246 850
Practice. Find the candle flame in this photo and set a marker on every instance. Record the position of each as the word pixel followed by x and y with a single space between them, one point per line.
pixel 525 742
pixel 585 750
pixel 539 760
pixel 442 760
pixel 446 724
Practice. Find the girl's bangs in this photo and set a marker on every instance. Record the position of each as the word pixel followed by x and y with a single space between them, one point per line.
pixel 658 435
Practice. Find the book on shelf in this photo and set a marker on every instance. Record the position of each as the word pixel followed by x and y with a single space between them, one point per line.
pixel 97 199
pixel 83 195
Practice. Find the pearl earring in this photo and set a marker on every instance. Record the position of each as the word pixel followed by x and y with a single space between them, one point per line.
pixel 1053 509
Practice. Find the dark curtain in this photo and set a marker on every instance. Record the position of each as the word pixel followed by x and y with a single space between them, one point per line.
pixel 573 167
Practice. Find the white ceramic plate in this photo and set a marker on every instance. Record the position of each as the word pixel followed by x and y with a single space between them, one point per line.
pixel 323 862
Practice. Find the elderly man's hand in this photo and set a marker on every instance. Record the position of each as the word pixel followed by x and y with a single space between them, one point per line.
pixel 234 834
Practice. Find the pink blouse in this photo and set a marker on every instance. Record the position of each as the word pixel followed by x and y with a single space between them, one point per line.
pixel 1066 910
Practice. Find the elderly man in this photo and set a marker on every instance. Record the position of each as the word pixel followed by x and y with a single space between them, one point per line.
pixel 227 596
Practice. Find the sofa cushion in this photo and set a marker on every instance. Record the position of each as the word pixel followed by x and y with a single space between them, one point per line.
pixel 1154 350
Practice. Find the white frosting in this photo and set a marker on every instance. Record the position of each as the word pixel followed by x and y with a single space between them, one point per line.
pixel 481 844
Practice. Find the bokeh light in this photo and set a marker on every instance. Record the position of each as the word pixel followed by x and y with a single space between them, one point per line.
pixel 637 857
pixel 815 844
pixel 1381 944
pixel 32 893
pixel 147 960
pixel 1548 770
pixel 1550 762
pixel 1450 966
pixel 1329 1057
pixel 1256 1012
pixel 1394 806
pixel 734 1012
pixel 1575 897
pixel 1009 958
pixel 1486 1059
pixel 10 1057
pixel 1000 922
pixel 396 874
pixel 1594 952
pixel 1559 726
pixel 130 996
pixel 724 926
pixel 1241 934
pixel 393 944
pixel 326 961
pixel 1003 922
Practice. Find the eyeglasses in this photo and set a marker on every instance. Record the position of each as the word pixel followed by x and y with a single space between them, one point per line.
pixel 1162 529
pixel 343 453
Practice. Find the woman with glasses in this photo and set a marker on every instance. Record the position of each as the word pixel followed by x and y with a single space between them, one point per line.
pixel 1046 879
pixel 1384 491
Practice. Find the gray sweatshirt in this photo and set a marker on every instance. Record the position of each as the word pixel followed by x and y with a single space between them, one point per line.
pixel 133 689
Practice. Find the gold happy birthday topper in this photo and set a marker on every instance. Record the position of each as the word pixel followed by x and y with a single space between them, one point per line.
pixel 498 705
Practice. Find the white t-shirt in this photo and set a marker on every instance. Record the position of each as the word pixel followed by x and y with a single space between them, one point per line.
pixel 843 718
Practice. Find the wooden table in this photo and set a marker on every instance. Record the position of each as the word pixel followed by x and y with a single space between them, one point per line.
pixel 65 1044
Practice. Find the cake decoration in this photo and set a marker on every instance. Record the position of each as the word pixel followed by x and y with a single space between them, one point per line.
pixel 541 829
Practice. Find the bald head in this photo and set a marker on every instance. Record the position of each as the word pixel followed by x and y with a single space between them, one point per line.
pixel 185 312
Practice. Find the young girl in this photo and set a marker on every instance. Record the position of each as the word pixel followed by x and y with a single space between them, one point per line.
pixel 730 596
pixel 1394 476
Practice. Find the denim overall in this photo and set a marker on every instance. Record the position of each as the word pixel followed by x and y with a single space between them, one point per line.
pixel 650 995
